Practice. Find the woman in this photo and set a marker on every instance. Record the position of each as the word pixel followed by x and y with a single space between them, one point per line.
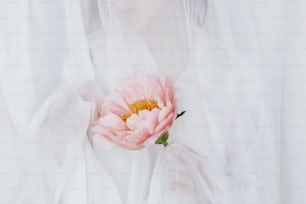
pixel 152 37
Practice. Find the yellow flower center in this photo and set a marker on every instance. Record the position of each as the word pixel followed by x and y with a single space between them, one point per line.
pixel 140 105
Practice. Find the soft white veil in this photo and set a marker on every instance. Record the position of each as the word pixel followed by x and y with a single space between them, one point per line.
pixel 228 60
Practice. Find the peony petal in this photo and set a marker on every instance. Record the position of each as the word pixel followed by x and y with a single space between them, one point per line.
pixel 152 121
pixel 126 144
pixel 116 104
pixel 111 121
pixel 133 121
pixel 144 114
pixel 110 126
pixel 163 124
pixel 127 96
pixel 164 113
pixel 138 136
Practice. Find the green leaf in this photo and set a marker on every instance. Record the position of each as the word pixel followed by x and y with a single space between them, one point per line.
pixel 163 139
pixel 180 114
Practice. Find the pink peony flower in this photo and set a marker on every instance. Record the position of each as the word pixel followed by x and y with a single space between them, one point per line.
pixel 139 113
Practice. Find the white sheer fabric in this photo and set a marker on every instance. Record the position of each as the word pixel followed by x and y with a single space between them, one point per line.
pixel 239 67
